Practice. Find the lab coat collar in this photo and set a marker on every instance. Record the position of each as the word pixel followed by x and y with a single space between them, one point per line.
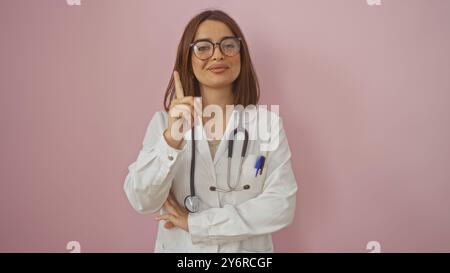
pixel 233 123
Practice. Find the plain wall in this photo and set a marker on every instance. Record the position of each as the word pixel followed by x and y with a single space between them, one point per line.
pixel 363 92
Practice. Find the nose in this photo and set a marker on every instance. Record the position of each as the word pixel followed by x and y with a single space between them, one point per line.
pixel 217 53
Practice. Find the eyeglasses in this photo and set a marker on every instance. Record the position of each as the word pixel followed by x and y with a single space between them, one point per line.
pixel 204 49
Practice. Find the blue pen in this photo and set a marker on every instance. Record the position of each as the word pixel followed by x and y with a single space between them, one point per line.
pixel 260 165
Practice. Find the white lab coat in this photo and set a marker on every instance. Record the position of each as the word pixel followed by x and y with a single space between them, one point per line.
pixel 238 221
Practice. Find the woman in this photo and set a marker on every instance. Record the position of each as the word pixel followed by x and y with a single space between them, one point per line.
pixel 208 200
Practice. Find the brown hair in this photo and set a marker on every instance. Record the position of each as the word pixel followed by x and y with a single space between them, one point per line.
pixel 245 87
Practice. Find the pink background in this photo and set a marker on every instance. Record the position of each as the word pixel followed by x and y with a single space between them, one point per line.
pixel 363 90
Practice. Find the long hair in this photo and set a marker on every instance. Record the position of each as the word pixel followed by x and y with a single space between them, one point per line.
pixel 245 87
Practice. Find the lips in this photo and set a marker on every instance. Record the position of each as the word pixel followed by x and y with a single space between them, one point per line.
pixel 217 67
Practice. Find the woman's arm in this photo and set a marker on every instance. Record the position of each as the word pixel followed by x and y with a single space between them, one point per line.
pixel 149 179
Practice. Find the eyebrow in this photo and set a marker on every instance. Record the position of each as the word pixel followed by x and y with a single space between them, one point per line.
pixel 210 40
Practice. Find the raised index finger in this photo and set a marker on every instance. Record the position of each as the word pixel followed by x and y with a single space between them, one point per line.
pixel 179 92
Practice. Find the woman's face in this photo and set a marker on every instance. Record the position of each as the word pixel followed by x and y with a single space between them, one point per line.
pixel 203 69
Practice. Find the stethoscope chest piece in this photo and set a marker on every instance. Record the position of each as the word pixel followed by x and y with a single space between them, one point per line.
pixel 191 203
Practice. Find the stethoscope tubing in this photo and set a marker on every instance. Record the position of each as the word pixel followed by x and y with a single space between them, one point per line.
pixel 191 202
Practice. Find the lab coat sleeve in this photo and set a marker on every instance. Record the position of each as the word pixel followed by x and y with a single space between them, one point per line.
pixel 149 178
pixel 268 212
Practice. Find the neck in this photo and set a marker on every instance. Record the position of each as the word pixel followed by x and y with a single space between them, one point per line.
pixel 219 96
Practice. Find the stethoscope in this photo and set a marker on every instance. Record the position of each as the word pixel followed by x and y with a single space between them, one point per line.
pixel 192 202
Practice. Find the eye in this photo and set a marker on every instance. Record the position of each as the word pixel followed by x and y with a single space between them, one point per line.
pixel 230 46
pixel 203 48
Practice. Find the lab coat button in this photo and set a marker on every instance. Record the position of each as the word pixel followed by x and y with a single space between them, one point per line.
pixel 170 157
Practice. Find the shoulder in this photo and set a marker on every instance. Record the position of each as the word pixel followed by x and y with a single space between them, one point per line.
pixel 159 117
pixel 262 124
pixel 157 123
pixel 261 116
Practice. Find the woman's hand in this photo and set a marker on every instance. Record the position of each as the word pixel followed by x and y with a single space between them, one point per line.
pixel 176 215
pixel 181 115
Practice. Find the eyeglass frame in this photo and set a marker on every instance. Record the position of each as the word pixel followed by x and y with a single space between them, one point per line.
pixel 216 43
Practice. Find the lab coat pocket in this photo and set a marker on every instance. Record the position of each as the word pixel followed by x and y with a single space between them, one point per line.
pixel 249 177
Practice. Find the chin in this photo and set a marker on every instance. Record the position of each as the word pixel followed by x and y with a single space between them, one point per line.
pixel 218 84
